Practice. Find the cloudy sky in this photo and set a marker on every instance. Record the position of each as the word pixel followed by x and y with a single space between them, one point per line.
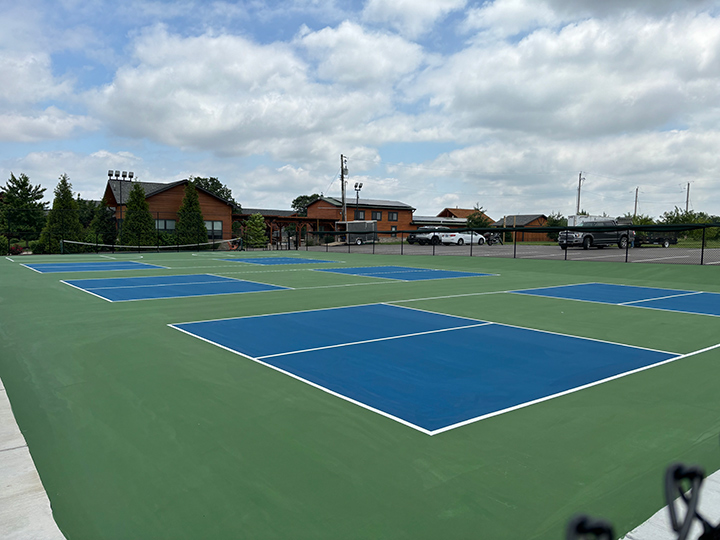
pixel 436 103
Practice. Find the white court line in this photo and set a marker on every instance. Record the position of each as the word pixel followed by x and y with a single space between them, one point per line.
pixel 314 385
pixel 664 258
pixel 625 304
pixel 108 257
pixel 9 259
pixel 85 290
pixel 464 422
pixel 571 390
pixel 351 343
pixel 660 298
pixel 31 268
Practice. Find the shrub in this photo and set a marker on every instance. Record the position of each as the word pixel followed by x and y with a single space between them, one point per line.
pixel 35 246
pixel 4 245
pixel 16 249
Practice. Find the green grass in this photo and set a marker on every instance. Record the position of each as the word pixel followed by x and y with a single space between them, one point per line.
pixel 139 431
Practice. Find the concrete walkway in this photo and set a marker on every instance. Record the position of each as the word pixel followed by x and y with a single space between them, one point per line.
pixel 658 526
pixel 25 512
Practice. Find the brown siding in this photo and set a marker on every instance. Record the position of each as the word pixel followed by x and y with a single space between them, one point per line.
pixel 165 205
pixel 325 210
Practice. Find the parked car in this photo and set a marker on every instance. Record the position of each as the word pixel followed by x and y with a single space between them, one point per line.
pixel 460 238
pixel 591 236
pixel 427 235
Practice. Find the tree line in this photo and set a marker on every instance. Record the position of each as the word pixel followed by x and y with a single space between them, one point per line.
pixel 27 221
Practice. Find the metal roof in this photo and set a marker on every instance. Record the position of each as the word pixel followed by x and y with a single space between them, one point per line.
pixel 368 203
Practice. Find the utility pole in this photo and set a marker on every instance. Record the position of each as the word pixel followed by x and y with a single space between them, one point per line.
pixel 580 181
pixel 636 198
pixel 343 174
pixel 687 199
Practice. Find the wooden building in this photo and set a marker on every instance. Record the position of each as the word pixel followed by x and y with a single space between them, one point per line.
pixel 390 215
pixel 526 220
pixel 165 200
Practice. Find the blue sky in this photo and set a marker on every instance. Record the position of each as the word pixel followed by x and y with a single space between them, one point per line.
pixel 436 103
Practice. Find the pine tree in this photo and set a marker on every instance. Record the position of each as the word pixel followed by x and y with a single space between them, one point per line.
pixel 190 226
pixel 255 231
pixel 63 221
pixel 138 226
pixel 103 224
pixel 22 212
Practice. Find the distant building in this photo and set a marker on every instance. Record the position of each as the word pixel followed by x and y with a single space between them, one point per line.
pixel 525 220
pixel 448 217
pixel 165 200
pixel 390 215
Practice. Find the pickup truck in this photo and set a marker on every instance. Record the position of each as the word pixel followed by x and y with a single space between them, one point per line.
pixel 590 236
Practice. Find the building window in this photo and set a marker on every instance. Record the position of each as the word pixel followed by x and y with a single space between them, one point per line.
pixel 393 228
pixel 359 214
pixel 392 216
pixel 214 230
pixel 165 225
pixel 377 216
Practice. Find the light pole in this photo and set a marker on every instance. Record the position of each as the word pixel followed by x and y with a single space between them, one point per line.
pixel 125 175
pixel 358 187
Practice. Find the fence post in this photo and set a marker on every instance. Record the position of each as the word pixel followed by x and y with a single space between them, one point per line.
pixel 402 242
pixel 702 248
pixel 514 244
pixel 627 245
pixel 472 241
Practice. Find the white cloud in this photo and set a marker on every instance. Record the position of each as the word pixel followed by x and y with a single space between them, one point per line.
pixel 590 78
pixel 51 123
pixel 410 17
pixel 231 96
pixel 353 56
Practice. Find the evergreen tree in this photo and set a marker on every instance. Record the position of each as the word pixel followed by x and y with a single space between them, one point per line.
pixel 22 212
pixel 190 226
pixel 86 211
pixel 63 222
pixel 255 231
pixel 478 219
pixel 138 226
pixel 103 224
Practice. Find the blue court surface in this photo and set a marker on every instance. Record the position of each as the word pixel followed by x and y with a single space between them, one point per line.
pixel 401 273
pixel 702 303
pixel 157 287
pixel 276 260
pixel 47 268
pixel 430 371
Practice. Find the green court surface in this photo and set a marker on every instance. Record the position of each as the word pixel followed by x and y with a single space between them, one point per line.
pixel 140 431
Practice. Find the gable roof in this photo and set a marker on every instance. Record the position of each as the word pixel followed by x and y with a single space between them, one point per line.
pixel 518 220
pixel 367 203
pixel 456 212
pixel 151 188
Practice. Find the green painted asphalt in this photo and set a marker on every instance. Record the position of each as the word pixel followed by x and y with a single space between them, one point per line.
pixel 139 431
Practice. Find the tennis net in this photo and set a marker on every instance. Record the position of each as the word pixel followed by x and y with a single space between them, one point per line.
pixel 72 246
